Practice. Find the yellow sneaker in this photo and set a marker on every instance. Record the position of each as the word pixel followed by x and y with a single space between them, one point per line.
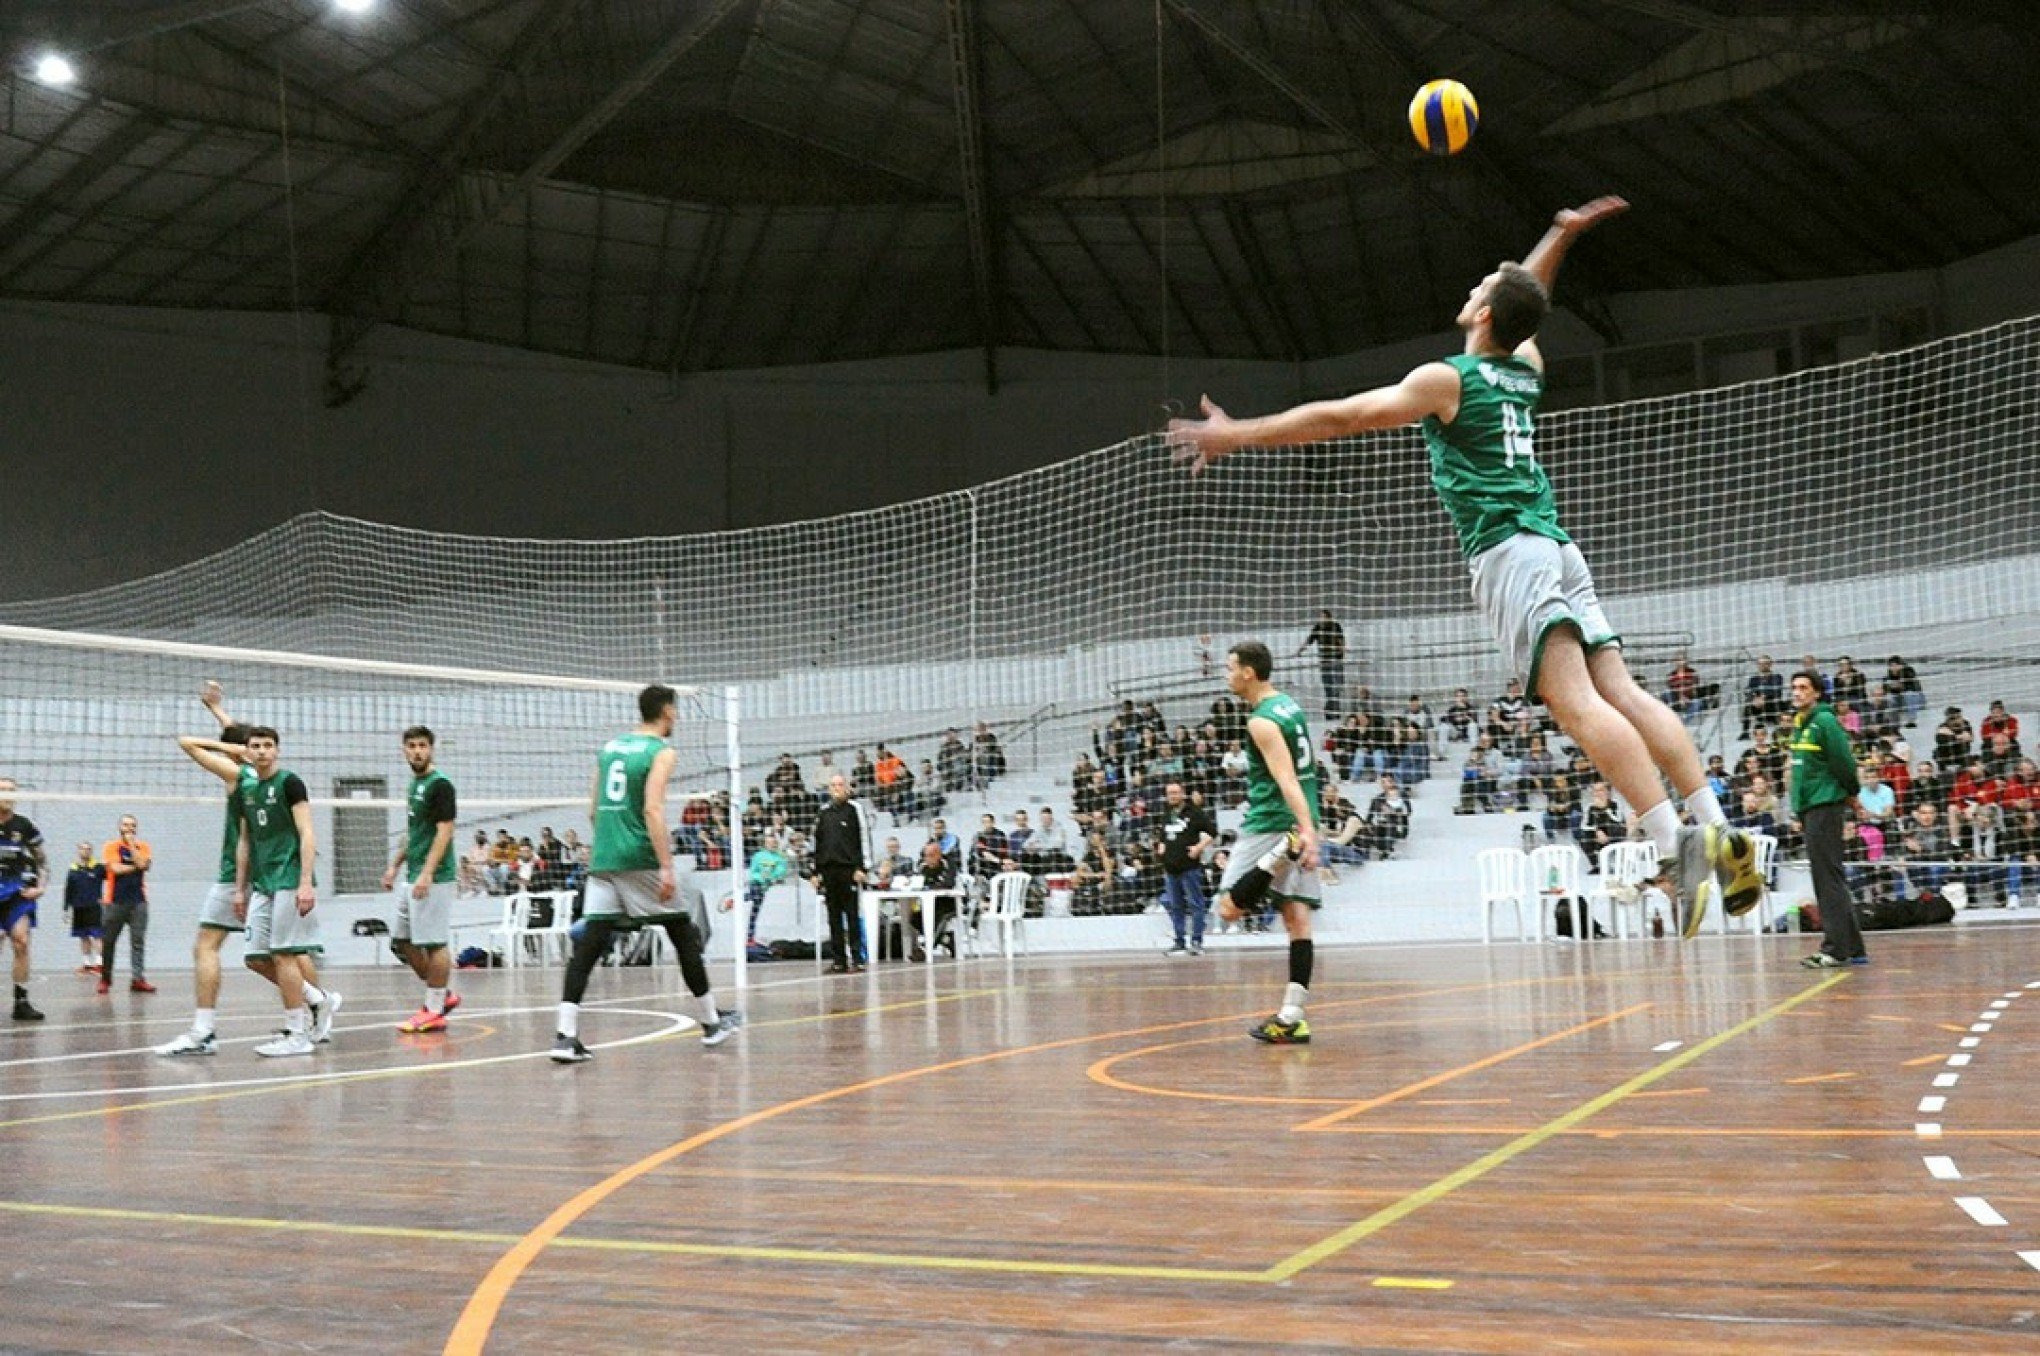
pixel 1733 855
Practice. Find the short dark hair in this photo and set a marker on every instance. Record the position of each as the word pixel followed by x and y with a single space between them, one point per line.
pixel 420 732
pixel 1811 677
pixel 263 732
pixel 1255 656
pixel 237 733
pixel 1517 304
pixel 653 701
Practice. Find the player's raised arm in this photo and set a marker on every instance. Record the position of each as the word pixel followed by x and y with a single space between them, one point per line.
pixel 1430 389
pixel 1543 260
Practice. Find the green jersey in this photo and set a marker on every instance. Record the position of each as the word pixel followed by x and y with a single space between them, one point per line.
pixel 1484 463
pixel 623 841
pixel 265 805
pixel 431 803
pixel 231 843
pixel 1267 811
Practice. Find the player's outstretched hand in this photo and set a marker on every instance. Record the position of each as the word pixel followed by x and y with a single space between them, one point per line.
pixel 1199 442
pixel 1590 214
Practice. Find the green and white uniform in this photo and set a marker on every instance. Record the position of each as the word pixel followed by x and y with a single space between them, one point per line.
pixel 1268 820
pixel 1528 576
pixel 265 807
pixel 218 910
pixel 623 866
pixel 423 922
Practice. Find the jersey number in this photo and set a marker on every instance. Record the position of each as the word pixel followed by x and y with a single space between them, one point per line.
pixel 1517 432
pixel 616 785
pixel 1304 752
pixel 262 819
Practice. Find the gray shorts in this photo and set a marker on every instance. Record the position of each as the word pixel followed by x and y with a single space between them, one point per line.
pixel 218 909
pixel 1529 584
pixel 1291 881
pixel 275 927
pixel 629 898
pixel 423 922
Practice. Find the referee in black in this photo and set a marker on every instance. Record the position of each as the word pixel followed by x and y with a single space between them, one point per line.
pixel 839 870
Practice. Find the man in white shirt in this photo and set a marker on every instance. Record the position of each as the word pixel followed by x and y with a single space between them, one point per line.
pixel 1877 801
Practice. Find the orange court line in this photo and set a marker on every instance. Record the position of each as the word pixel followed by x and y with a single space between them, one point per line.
pixel 1832 1077
pixel 1923 1059
pixel 1667 1092
pixel 1422 1085
pixel 478 1317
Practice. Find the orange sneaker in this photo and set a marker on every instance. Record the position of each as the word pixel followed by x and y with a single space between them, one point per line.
pixel 452 1000
pixel 424 1021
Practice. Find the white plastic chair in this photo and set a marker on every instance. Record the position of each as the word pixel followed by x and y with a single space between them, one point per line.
pixel 559 935
pixel 515 933
pixel 1505 879
pixel 1009 910
pixel 1624 868
pixel 1557 874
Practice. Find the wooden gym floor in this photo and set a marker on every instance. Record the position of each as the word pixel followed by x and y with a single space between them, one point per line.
pixel 1628 1147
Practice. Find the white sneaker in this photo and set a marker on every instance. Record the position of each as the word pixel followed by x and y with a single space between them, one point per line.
pixel 191 1043
pixel 290 1043
pixel 323 1015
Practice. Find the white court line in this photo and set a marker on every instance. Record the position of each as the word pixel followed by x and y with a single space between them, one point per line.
pixel 1978 1209
pixel 2015 993
pixel 1983 1027
pixel 1946 1080
pixel 1928 1129
pixel 2031 1259
pixel 1999 1005
pixel 2034 985
pixel 1959 1061
pixel 1668 1045
pixel 269 1018
pixel 1969 1042
pixel 1931 1104
pixel 1942 1168
pixel 676 1022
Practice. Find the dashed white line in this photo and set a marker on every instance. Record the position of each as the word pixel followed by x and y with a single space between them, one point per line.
pixel 1946 1080
pixel 1959 1061
pixel 1979 1209
pixel 1927 1129
pixel 2034 985
pixel 1969 1042
pixel 2015 993
pixel 1943 1168
pixel 1999 1004
pixel 1980 1026
pixel 1668 1045
pixel 2031 1259
pixel 1933 1103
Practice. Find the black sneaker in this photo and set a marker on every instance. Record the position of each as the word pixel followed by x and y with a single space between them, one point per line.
pixel 25 1011
pixel 1275 1031
pixel 1821 960
pixel 569 1050
pixel 715 1033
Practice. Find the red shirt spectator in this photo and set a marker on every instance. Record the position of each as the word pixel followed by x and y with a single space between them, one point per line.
pixel 2021 790
pixel 1975 786
pixel 1999 722
pixel 1898 777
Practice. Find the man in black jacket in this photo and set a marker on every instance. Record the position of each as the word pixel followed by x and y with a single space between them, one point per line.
pixel 839 870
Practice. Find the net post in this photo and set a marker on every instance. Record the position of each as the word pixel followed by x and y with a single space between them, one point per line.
pixel 739 906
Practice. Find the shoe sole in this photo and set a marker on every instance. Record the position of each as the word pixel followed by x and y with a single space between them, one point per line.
pixel 566 1058
pixel 1279 1040
pixel 282 1054
pixel 1697 913
pixel 409 1030
pixel 187 1054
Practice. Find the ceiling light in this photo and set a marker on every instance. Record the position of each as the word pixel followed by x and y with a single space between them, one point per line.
pixel 354 6
pixel 54 69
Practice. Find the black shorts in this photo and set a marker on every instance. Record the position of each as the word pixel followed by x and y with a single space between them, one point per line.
pixel 85 920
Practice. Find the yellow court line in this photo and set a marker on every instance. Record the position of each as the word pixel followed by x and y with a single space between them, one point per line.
pixel 471 1330
pixel 1487 1163
pixel 445 1066
pixel 633 1245
pixel 1426 1084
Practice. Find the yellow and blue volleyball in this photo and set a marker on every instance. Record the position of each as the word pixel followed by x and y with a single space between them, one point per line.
pixel 1443 117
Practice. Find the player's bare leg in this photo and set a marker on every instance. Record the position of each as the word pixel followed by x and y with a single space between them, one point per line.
pixel 1664 734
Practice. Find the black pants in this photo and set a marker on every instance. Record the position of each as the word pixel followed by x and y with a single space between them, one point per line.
pixel 1332 672
pixel 1840 937
pixel 839 897
pixel 134 919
